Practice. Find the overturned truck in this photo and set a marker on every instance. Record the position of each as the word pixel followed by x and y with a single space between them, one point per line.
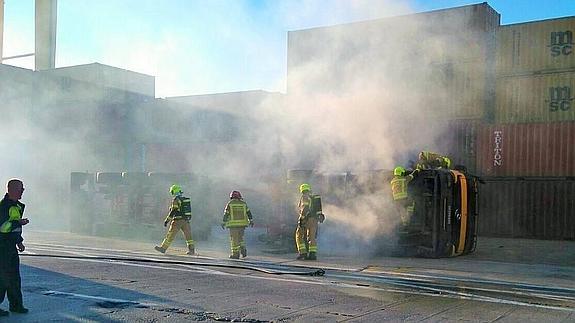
pixel 444 220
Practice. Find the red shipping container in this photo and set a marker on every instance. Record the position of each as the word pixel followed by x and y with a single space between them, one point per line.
pixel 528 149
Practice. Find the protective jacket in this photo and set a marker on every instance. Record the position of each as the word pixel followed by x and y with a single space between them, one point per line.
pixel 237 214
pixel 399 186
pixel 181 208
pixel 309 206
pixel 429 160
pixel 11 213
pixel 10 235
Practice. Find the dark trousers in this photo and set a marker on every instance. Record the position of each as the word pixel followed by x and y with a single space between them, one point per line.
pixel 10 282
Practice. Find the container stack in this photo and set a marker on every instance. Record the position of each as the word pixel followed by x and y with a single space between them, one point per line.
pixel 527 156
pixel 460 86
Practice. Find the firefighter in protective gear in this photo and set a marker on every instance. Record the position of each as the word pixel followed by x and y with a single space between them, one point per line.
pixel 429 160
pixel 310 214
pixel 237 216
pixel 11 222
pixel 405 205
pixel 178 217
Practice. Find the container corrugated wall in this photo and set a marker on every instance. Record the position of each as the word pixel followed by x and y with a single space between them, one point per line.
pixel 528 208
pixel 458 141
pixel 456 90
pixel 533 149
pixel 540 98
pixel 448 55
pixel 536 46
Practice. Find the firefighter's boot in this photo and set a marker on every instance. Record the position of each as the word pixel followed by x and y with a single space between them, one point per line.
pixel 160 249
pixel 302 256
pixel 191 251
pixel 235 256
pixel 311 256
pixel 244 252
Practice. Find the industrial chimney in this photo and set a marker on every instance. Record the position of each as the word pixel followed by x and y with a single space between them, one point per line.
pixel 45 28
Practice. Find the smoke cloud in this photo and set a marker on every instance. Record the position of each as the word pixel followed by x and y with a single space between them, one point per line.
pixel 359 97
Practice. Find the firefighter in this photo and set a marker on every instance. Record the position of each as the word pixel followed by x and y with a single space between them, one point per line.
pixel 179 217
pixel 405 205
pixel 11 222
pixel 310 214
pixel 429 160
pixel 237 216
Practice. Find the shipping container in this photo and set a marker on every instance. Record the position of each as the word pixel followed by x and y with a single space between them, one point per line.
pixel 547 45
pixel 454 90
pixel 541 208
pixel 540 98
pixel 374 49
pixel 458 141
pixel 533 149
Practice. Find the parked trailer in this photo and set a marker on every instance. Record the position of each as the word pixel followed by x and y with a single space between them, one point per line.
pixel 133 204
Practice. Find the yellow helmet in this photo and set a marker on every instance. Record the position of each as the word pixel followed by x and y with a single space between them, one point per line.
pixel 304 187
pixel 398 171
pixel 175 189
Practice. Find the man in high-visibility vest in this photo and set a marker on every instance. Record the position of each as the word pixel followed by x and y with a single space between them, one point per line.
pixel 405 205
pixel 429 160
pixel 310 214
pixel 237 216
pixel 11 222
pixel 179 218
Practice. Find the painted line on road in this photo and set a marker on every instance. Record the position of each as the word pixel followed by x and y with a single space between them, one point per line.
pixel 97 298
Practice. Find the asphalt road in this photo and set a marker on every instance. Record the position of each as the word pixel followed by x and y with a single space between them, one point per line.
pixel 74 278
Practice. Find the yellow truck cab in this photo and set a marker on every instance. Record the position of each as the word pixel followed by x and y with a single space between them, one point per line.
pixel 444 221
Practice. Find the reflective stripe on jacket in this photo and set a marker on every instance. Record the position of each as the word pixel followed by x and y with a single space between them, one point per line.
pixel 236 214
pixel 399 188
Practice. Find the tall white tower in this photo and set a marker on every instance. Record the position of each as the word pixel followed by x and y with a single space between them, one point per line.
pixel 45 37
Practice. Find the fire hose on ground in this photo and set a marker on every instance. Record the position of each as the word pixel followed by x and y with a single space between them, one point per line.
pixel 314 272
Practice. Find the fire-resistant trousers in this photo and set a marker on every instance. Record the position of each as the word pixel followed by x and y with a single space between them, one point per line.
pixel 237 240
pixel 405 208
pixel 175 226
pixel 10 281
pixel 307 233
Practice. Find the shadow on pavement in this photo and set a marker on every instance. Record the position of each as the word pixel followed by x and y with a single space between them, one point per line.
pixel 52 296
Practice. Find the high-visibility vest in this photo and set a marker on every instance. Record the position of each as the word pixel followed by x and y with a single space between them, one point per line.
pixel 15 213
pixel 236 212
pixel 399 188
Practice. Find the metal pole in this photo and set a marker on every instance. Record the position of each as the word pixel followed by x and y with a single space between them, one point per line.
pixel 1 28
pixel 18 56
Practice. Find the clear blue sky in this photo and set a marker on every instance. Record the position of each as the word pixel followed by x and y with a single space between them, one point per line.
pixel 208 46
